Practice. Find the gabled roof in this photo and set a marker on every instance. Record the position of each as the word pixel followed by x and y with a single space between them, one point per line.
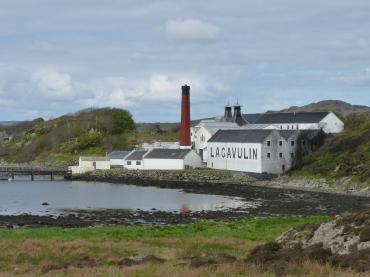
pixel 303 117
pixel 255 126
pixel 118 154
pixel 212 129
pixel 251 117
pixel 167 153
pixel 240 135
pixel 136 155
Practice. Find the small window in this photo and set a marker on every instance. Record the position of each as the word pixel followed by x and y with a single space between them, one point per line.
pixel 292 143
pixel 138 163
pixel 292 155
pixel 268 155
pixel 128 162
pixel 281 143
pixel 280 155
pixel 288 127
pixel 292 127
pixel 297 126
pixel 281 126
pixel 268 143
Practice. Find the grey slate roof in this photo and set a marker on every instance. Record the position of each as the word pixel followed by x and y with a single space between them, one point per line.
pixel 136 155
pixel 118 154
pixel 303 117
pixel 251 117
pixel 241 135
pixel 167 153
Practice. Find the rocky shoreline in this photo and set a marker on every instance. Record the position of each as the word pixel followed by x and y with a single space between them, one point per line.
pixel 207 178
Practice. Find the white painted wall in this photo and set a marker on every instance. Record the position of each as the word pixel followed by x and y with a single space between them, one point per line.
pixel 244 160
pixel 200 140
pixel 164 164
pixel 275 163
pixel 134 164
pixel 331 124
pixel 117 162
pixel 80 170
pixel 103 165
pixel 193 160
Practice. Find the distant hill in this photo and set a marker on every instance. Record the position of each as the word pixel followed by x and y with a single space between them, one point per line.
pixel 7 123
pixel 338 106
pixel 90 132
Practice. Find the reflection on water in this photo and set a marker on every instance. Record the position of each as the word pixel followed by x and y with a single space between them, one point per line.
pixel 24 196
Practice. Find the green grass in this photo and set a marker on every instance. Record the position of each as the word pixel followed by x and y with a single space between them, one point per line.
pixel 347 155
pixel 248 229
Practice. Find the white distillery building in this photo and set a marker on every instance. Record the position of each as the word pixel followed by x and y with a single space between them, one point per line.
pixel 135 160
pixel 171 159
pixel 117 159
pixel 256 151
pixel 201 133
pixel 329 122
pixel 326 121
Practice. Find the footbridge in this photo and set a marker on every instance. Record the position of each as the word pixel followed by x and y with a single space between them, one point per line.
pixel 11 171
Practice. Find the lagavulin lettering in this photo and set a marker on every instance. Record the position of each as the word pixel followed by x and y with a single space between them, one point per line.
pixel 246 153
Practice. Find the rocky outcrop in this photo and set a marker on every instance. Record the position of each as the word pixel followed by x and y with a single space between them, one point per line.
pixel 342 186
pixel 343 235
pixel 178 176
pixel 343 241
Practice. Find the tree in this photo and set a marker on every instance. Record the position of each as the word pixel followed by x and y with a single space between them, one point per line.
pixel 122 121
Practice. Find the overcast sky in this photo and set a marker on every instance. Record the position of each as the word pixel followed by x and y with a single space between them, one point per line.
pixel 59 56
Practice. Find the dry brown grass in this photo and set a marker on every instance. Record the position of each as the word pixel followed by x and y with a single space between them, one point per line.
pixel 101 258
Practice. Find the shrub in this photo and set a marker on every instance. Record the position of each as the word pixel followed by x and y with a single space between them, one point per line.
pixel 122 121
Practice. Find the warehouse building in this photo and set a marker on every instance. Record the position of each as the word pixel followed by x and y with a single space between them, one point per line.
pixel 117 159
pixel 171 159
pixel 258 151
pixel 201 133
pixel 328 121
pixel 134 160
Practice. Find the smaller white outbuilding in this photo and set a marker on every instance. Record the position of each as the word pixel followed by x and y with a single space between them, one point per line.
pixel 117 159
pixel 175 159
pixel 86 164
pixel 134 160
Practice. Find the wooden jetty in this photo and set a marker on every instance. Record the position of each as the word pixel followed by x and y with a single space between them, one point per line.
pixel 12 171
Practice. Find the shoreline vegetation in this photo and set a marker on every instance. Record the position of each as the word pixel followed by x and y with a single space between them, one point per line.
pixel 205 248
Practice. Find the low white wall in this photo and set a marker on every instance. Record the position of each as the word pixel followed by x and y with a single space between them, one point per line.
pixel 163 164
pixel 133 165
pixel 80 170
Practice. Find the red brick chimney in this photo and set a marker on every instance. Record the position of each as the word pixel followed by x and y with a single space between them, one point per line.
pixel 185 141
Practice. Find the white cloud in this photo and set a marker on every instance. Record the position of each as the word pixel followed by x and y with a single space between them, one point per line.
pixel 53 84
pixel 361 77
pixel 192 30
pixel 158 88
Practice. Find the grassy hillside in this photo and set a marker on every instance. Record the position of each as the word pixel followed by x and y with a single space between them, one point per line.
pixel 88 132
pixel 347 155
